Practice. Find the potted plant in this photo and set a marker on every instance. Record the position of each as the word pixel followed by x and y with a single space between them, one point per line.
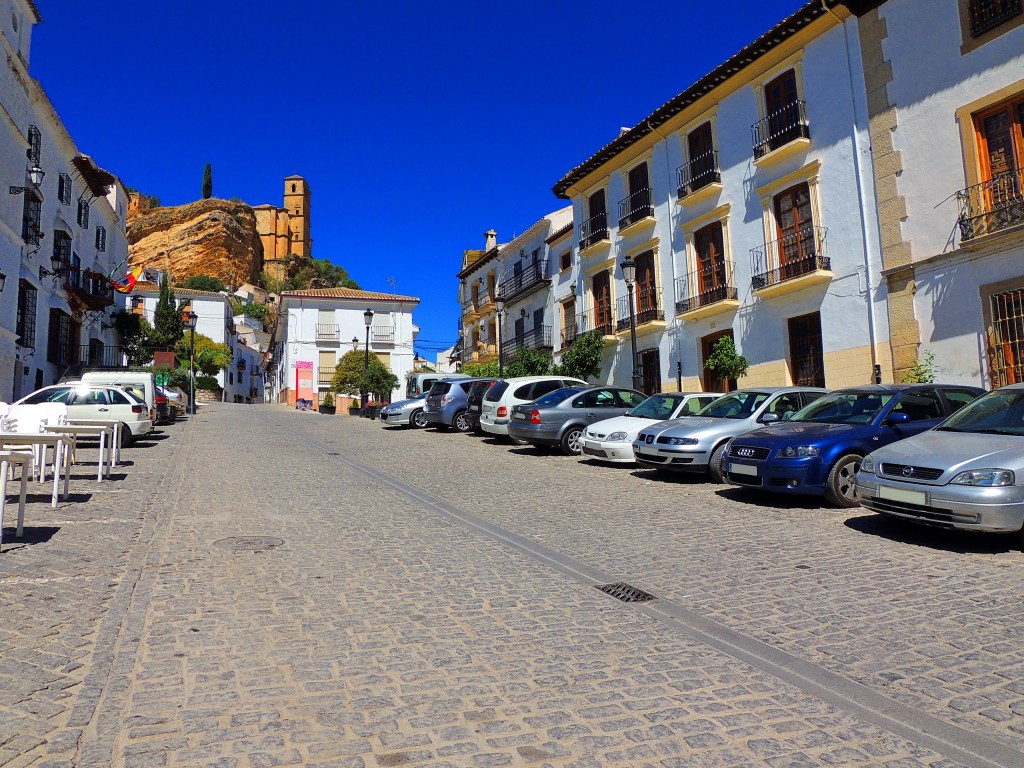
pixel 327 404
pixel 726 362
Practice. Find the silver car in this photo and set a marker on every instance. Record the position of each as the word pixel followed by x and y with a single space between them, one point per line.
pixel 696 444
pixel 967 473
pixel 405 413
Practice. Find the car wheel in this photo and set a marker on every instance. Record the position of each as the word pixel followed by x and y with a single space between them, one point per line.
pixel 571 441
pixel 715 464
pixel 417 419
pixel 127 438
pixel 460 422
pixel 840 484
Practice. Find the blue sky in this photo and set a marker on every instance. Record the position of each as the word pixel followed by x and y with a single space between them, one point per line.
pixel 417 125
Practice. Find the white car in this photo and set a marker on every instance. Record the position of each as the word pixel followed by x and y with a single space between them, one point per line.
pixel 611 440
pixel 496 409
pixel 97 401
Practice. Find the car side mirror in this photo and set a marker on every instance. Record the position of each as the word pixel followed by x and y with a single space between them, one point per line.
pixel 769 418
pixel 897 418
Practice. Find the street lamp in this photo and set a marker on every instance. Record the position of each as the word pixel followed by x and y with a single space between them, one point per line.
pixel 499 306
pixel 628 267
pixel 189 319
pixel 368 319
pixel 35 175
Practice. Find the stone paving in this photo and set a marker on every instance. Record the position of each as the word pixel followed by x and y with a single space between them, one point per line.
pixel 380 633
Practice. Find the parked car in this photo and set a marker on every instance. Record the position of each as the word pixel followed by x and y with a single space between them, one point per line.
pixel 818 450
pixel 474 402
pixel 612 439
pixel 560 417
pixel 505 393
pixel 97 401
pixel 418 383
pixel 405 413
pixel 967 473
pixel 143 383
pixel 446 404
pixel 696 443
pixel 177 399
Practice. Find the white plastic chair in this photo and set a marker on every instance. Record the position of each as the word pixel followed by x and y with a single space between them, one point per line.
pixel 30 419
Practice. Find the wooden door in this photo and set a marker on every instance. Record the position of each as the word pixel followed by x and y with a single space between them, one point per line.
pixel 712 381
pixel 602 290
pixel 795 227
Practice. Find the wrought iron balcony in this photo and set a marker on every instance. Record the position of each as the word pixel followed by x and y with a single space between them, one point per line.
pixel 594 230
pixel 704 287
pixel 327 332
pixel 325 376
pixel 535 338
pixel 780 128
pixel 241 365
pixel 383 334
pixel 468 307
pixel 636 207
pixel 568 333
pixel 646 308
pixel 698 173
pixel 599 319
pixel 989 14
pixel 992 206
pixel 793 256
pixel 514 284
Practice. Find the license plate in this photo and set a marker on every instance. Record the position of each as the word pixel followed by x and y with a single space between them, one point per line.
pixel 474 407
pixel 900 494
pixel 519 416
pixel 742 469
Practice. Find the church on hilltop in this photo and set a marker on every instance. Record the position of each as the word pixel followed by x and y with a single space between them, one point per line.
pixel 285 231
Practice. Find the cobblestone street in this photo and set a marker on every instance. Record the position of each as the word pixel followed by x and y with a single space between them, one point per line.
pixel 431 603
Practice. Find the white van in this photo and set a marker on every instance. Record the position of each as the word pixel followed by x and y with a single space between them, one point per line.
pixel 141 383
pixel 416 383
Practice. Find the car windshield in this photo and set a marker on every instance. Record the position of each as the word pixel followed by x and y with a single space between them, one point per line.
pixel 996 413
pixel 554 398
pixel 844 408
pixel 735 405
pixel 497 389
pixel 658 407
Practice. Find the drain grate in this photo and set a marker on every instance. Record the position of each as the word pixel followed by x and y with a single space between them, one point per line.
pixel 627 593
pixel 249 543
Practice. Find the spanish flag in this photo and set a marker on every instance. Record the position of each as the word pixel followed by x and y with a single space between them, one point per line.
pixel 129 281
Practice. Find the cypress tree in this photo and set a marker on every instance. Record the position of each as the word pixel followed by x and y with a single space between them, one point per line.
pixel 166 319
pixel 207 182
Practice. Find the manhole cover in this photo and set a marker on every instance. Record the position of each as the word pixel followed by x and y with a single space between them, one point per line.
pixel 249 543
pixel 627 593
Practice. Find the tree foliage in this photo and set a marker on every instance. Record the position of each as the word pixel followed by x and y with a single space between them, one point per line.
pixel 923 371
pixel 349 372
pixel 204 283
pixel 167 318
pixel 135 334
pixel 480 370
pixel 211 357
pixel 207 182
pixel 582 360
pixel 725 361
pixel 378 380
pixel 260 312
pixel 529 362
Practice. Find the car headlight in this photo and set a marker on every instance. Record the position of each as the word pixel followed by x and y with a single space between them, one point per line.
pixel 680 441
pixel 867 464
pixel 989 478
pixel 617 437
pixel 798 452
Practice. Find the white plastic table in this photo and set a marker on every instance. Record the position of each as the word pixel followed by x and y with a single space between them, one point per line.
pixel 7 459
pixel 60 444
pixel 106 458
pixel 115 443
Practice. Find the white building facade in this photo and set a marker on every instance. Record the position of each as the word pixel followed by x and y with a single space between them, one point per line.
pixel 62 230
pixel 747 205
pixel 946 106
pixel 316 327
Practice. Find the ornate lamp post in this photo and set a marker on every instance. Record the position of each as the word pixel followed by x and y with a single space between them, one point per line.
pixel 368 319
pixel 189 319
pixel 499 306
pixel 628 267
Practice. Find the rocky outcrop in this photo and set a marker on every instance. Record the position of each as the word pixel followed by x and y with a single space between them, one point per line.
pixel 208 237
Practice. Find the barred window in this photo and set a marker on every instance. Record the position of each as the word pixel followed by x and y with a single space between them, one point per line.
pixel 64 189
pixel 31 217
pixel 62 336
pixel 101 239
pixel 35 145
pixel 62 247
pixel 83 213
pixel 25 327
pixel 75 275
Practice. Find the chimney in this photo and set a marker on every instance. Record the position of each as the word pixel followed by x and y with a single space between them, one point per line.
pixel 491 239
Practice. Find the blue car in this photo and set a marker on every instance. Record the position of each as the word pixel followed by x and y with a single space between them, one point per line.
pixel 818 451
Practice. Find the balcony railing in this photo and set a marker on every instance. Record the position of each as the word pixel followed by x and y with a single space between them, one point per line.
pixel 594 230
pixel 325 376
pixel 646 308
pixel 569 333
pixel 383 334
pixel 327 332
pixel 795 255
pixel 779 128
pixel 989 14
pixel 600 319
pixel 704 287
pixel 993 205
pixel 699 172
pixel 635 207
pixel 480 353
pixel 515 283
pixel 535 338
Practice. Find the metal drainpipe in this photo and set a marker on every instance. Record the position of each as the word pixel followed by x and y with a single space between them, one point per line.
pixel 865 235
pixel 672 261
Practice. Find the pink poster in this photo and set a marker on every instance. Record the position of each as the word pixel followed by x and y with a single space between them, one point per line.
pixel 304 383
